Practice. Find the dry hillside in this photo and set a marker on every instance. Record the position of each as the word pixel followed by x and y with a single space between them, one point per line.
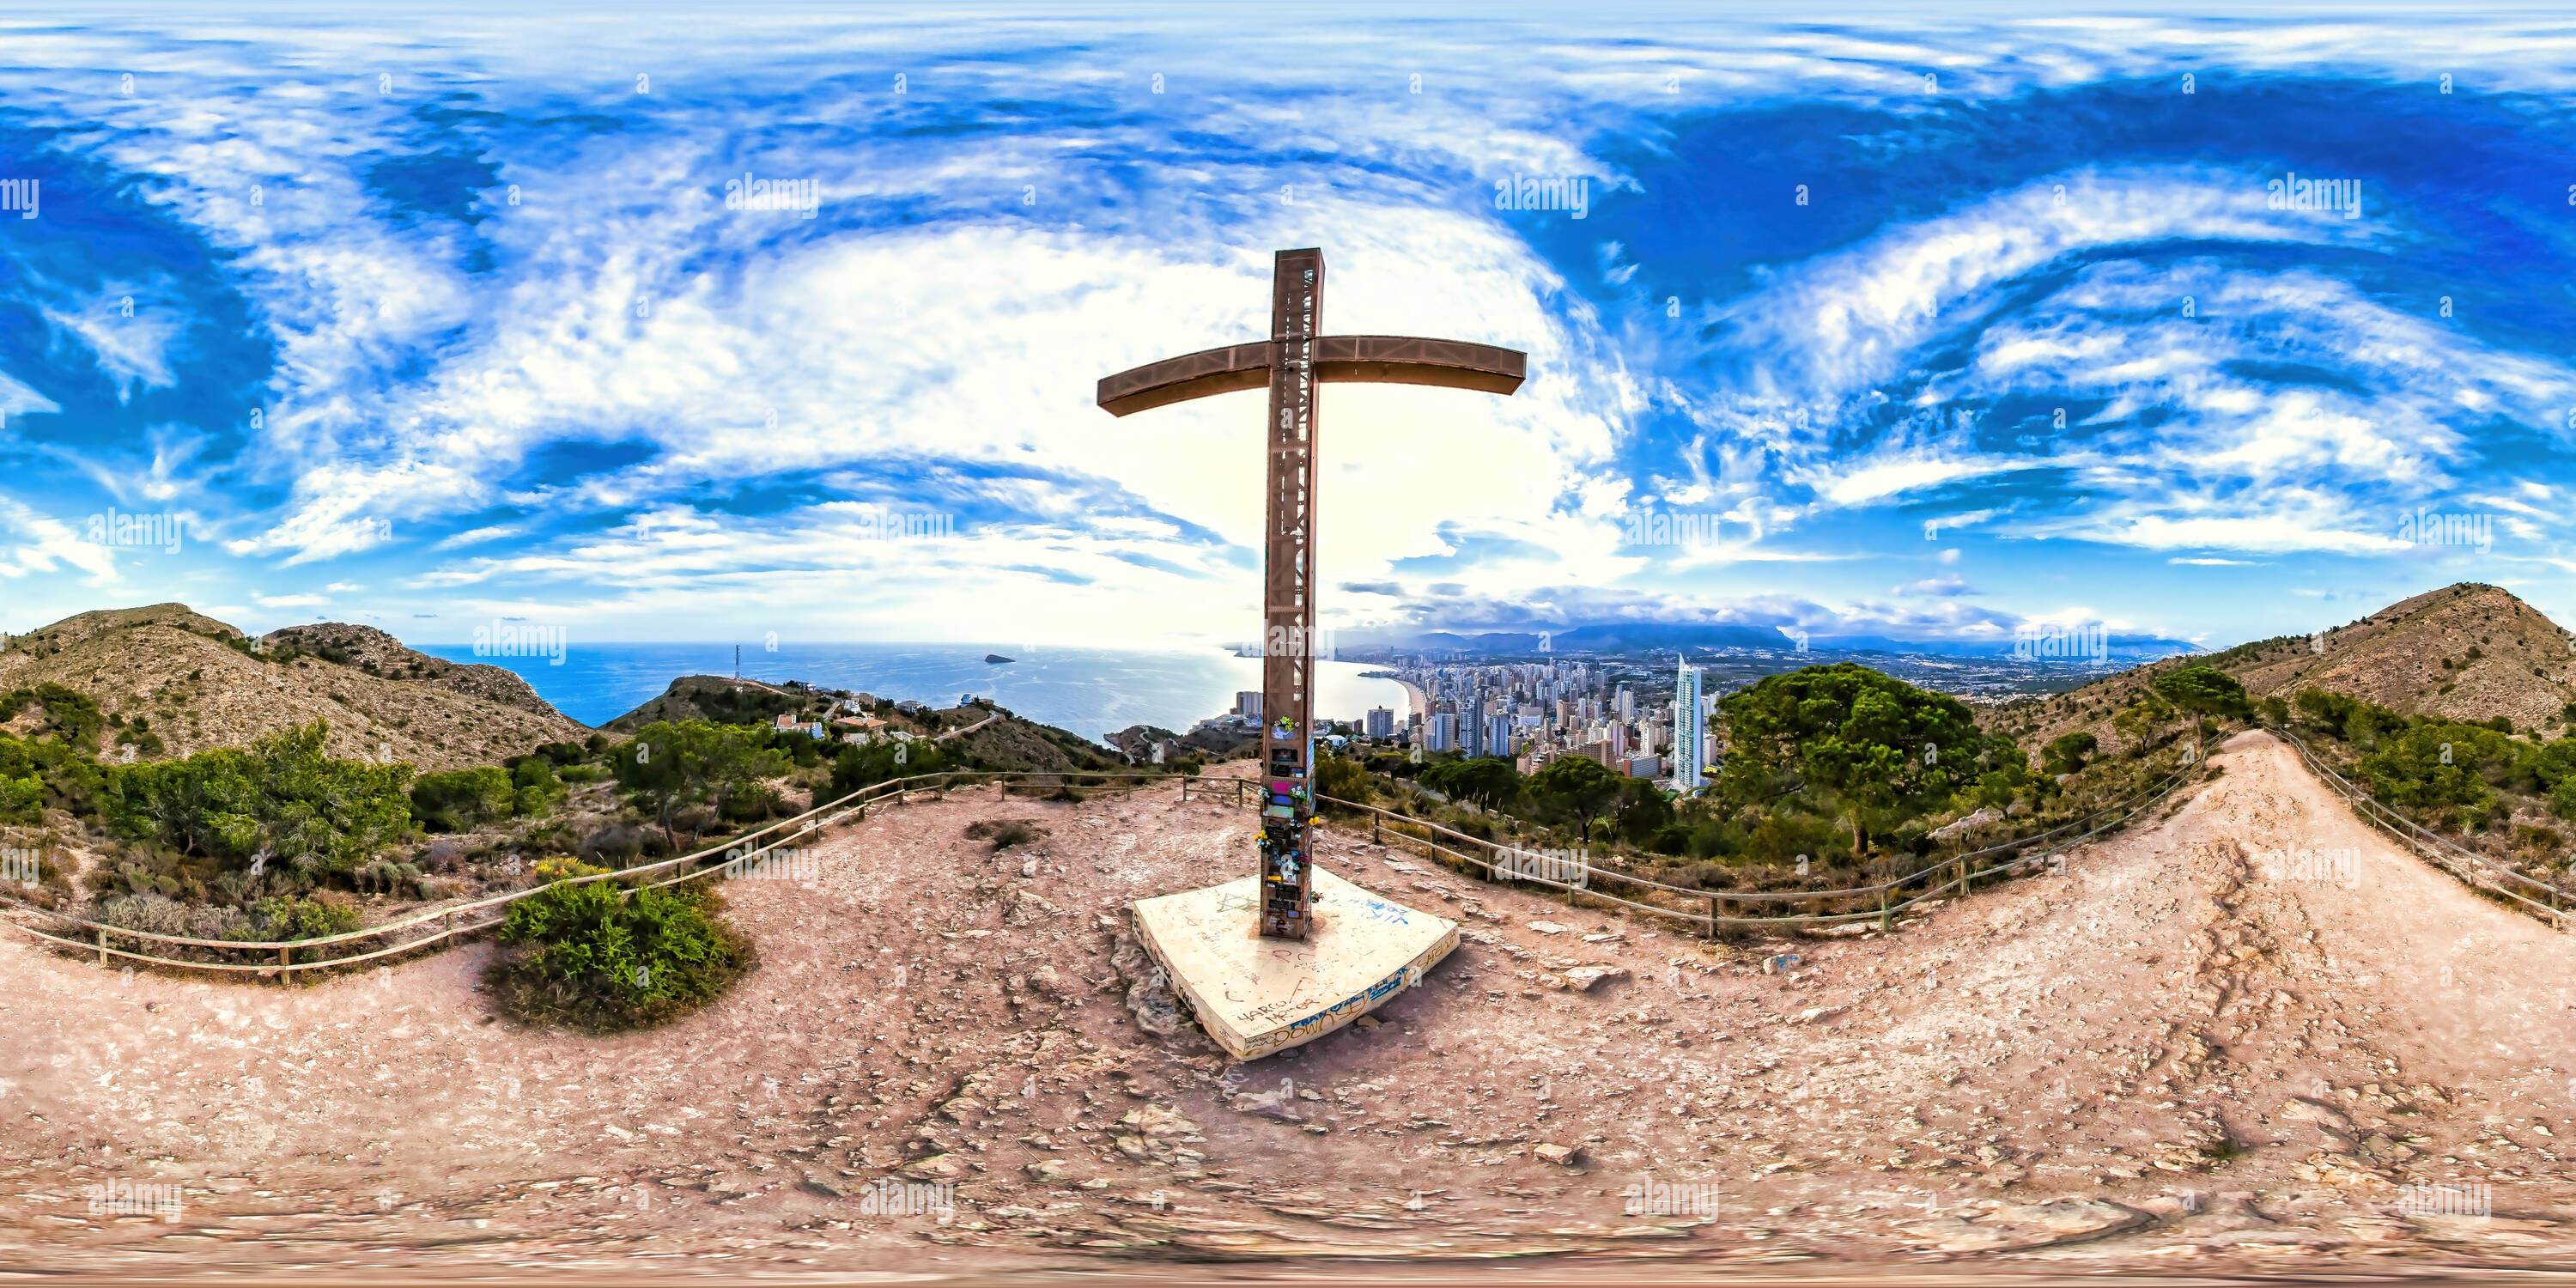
pixel 2178 1056
pixel 714 697
pixel 376 653
pixel 2465 652
pixel 978 734
pixel 187 675
pixel 2504 659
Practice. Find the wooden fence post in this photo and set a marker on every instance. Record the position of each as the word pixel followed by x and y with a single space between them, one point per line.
pixel 1882 910
pixel 1376 837
pixel 102 947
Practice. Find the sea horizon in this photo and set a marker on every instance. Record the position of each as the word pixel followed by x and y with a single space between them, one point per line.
pixel 1086 691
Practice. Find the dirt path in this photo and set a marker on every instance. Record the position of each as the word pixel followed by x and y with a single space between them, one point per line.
pixel 2183 1052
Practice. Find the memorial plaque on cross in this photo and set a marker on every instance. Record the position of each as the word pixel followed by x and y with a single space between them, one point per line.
pixel 1292 362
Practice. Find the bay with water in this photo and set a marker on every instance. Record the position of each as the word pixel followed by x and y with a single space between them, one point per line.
pixel 1091 692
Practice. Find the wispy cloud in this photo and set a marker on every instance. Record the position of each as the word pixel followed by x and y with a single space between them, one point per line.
pixel 509 353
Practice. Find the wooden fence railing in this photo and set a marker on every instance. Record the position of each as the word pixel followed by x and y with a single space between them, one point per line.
pixel 422 930
pixel 425 929
pixel 1506 863
pixel 2476 869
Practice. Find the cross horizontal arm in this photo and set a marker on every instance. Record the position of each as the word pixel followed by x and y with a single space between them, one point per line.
pixel 1371 359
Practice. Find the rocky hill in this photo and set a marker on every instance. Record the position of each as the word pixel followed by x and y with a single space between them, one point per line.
pixel 2467 652
pixel 1215 742
pixel 376 653
pixel 196 683
pixel 1009 742
pixel 718 698
pixel 982 735
pixel 2464 652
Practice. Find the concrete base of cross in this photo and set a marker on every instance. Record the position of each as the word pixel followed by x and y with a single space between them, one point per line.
pixel 1259 996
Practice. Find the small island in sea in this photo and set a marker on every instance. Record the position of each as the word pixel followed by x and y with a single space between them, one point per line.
pixel 996 657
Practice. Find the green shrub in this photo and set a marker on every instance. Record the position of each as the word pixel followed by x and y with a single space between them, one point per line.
pixel 279 917
pixel 670 767
pixel 1346 780
pixel 22 800
pixel 751 803
pixel 2562 799
pixel 2438 767
pixel 2065 753
pixel 74 719
pixel 461 800
pixel 388 877
pixel 281 795
pixel 585 957
pixel 1849 741
pixel 876 762
pixel 537 781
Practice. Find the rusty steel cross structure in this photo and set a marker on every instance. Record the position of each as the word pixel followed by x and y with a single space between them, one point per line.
pixel 1292 361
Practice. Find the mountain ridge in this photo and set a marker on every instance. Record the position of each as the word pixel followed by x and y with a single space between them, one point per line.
pixel 180 682
pixel 2469 651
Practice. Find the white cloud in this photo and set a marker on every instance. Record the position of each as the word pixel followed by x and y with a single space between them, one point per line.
pixel 17 397
pixel 132 350
pixel 1833 325
pixel 40 543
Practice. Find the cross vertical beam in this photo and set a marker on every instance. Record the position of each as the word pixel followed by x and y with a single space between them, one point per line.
pixel 1288 601
pixel 1293 361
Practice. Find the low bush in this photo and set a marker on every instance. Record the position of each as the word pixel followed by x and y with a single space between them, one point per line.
pixel 618 846
pixel 599 958
pixel 461 800
pixel 1005 833
pixel 275 918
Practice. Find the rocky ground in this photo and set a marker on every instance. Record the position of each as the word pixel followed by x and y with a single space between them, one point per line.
pixel 2188 1053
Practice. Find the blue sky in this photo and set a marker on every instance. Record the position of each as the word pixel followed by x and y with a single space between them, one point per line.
pixel 1943 325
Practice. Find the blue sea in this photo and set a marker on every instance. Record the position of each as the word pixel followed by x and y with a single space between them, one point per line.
pixel 1091 692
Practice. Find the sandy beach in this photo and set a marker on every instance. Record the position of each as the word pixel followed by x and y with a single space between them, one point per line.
pixel 1421 700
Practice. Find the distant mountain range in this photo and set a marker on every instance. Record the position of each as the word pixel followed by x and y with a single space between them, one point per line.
pixel 1657 637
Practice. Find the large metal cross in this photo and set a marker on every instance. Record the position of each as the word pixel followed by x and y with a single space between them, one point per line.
pixel 1291 361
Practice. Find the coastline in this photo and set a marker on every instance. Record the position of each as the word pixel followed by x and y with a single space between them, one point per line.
pixel 1081 690
pixel 1421 700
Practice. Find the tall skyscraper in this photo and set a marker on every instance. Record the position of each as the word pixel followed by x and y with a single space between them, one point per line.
pixel 1443 731
pixel 1381 723
pixel 1498 735
pixel 1690 720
